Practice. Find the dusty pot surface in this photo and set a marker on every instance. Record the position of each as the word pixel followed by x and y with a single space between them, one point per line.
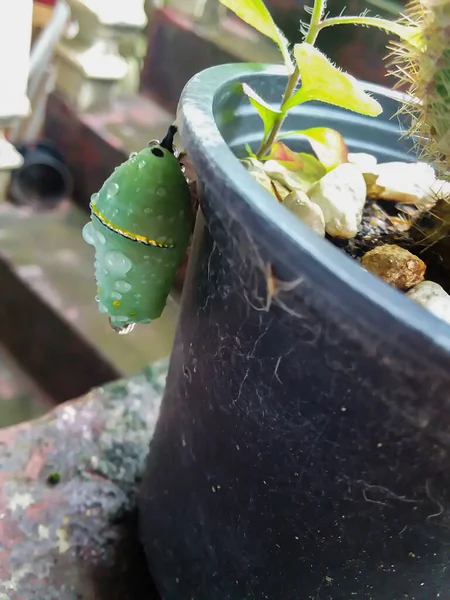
pixel 302 446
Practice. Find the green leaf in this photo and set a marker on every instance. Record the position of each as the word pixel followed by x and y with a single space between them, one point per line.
pixel 305 168
pixel 328 145
pixel 266 112
pixel 411 33
pixel 255 13
pixel 285 156
pixel 250 151
pixel 324 82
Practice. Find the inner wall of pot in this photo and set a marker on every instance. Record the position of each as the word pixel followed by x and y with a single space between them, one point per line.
pixel 239 124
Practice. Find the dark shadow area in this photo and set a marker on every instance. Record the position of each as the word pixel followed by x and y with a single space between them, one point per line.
pixel 126 577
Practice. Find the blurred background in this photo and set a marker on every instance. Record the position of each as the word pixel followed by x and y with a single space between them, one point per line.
pixel 87 82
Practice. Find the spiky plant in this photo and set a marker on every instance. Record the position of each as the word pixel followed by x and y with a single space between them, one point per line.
pixel 423 64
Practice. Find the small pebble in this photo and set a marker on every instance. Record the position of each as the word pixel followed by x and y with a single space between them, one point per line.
pixel 256 169
pixel 395 265
pixel 341 194
pixel 433 297
pixel 310 214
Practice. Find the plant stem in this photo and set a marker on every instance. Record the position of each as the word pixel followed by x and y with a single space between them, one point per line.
pixel 316 21
pixel 288 92
pixel 314 28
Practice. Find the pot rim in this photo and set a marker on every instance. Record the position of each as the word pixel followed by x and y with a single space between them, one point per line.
pixel 202 138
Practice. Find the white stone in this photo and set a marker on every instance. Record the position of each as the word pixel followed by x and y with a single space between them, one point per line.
pixel 433 297
pixel 256 169
pixel 366 162
pixel 292 180
pixel 341 194
pixel 401 182
pixel 310 214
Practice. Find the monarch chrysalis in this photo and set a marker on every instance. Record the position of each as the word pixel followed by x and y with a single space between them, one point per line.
pixel 140 227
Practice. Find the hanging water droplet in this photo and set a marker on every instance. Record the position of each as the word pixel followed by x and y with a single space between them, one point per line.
pixel 89 234
pixel 94 198
pixel 161 191
pixel 97 298
pixel 142 164
pixel 122 286
pixel 113 189
pixel 120 327
pixel 118 263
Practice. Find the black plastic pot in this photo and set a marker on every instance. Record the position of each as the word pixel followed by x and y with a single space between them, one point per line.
pixel 44 178
pixel 302 447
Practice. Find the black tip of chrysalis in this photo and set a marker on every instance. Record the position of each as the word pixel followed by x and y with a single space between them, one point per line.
pixel 167 142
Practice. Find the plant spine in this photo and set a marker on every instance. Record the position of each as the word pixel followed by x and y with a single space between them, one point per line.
pixel 423 64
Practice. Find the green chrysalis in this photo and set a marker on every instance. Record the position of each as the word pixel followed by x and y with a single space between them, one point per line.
pixel 140 227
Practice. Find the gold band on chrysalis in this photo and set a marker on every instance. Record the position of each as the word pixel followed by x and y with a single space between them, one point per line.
pixel 128 234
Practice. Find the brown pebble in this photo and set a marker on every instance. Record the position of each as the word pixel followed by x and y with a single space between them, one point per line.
pixel 395 265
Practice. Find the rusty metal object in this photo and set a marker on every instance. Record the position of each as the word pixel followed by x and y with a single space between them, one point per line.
pixel 67 498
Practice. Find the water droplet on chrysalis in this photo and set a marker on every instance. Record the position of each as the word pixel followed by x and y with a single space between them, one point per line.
pixel 142 164
pixel 122 286
pixel 161 191
pixel 113 189
pixel 89 234
pixel 116 295
pixel 132 156
pixel 118 263
pixel 100 238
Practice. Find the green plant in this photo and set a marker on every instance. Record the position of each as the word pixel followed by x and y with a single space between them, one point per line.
pixel 320 79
